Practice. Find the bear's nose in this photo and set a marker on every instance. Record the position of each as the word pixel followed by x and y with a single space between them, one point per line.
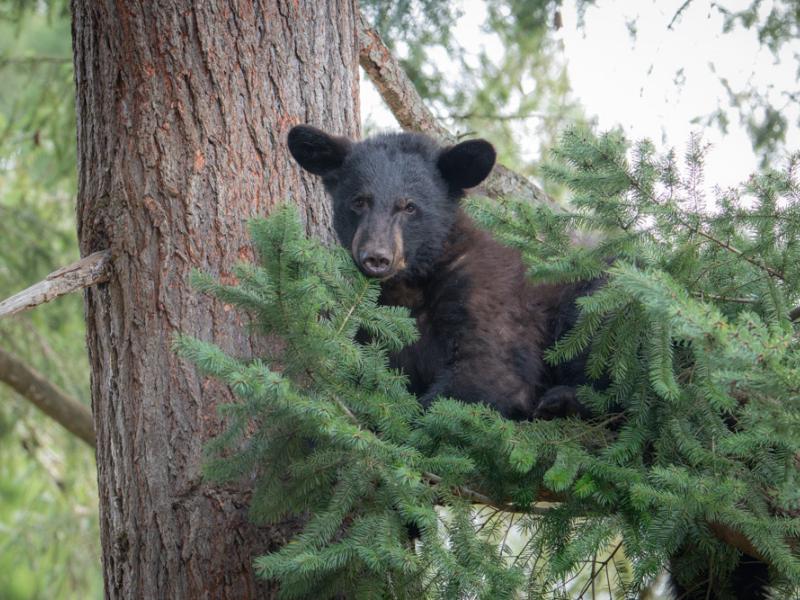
pixel 376 262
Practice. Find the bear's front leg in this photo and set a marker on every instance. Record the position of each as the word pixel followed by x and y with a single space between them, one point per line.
pixel 560 401
pixel 467 382
pixel 441 387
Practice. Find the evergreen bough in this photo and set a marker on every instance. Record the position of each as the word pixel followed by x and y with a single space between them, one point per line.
pixel 698 424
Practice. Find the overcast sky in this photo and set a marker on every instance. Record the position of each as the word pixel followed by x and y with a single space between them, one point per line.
pixel 632 82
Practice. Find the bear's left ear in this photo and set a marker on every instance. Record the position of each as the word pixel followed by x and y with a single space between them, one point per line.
pixel 466 164
pixel 316 151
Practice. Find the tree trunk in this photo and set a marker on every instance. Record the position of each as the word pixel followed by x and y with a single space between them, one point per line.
pixel 183 110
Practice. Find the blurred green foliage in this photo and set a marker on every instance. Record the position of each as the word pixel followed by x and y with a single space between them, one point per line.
pixel 777 24
pixel 49 537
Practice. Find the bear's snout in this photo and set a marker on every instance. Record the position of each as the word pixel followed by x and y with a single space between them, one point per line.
pixel 375 261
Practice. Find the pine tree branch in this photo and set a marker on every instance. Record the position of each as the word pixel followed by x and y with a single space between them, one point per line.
pixel 88 271
pixel 718 298
pixel 52 401
pixel 402 98
pixel 794 314
pixel 479 498
pixel 596 571
pixel 723 532
pixel 500 117
pixel 725 245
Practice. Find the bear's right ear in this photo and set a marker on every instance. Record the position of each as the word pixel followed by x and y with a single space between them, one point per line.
pixel 466 164
pixel 316 151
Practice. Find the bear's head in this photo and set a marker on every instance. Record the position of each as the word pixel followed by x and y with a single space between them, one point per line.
pixel 395 196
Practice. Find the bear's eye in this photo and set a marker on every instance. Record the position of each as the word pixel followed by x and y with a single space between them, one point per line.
pixel 359 203
pixel 410 208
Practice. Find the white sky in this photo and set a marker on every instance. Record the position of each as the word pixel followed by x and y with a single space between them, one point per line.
pixel 631 83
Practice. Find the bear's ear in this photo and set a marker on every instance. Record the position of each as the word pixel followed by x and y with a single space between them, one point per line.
pixel 316 151
pixel 466 164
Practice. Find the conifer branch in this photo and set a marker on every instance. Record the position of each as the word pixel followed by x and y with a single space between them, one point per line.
pixel 596 571
pixel 794 314
pixel 507 507
pixel 88 271
pixel 403 99
pixel 723 532
pixel 52 401
pixel 725 245
pixel 718 298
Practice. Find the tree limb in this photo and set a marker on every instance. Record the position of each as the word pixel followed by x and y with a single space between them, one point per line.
pixel 68 412
pixel 90 270
pixel 723 532
pixel 394 86
pixel 402 98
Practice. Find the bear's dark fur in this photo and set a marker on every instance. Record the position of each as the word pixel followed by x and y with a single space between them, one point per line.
pixel 483 326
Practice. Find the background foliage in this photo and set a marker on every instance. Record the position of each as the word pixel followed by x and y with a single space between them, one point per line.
pixel 48 498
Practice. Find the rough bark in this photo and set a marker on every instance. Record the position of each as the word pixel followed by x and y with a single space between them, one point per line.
pixel 51 400
pixel 183 109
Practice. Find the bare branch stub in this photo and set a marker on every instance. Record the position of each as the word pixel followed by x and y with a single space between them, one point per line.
pixel 88 271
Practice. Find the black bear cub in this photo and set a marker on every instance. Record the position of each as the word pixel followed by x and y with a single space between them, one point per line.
pixel 483 327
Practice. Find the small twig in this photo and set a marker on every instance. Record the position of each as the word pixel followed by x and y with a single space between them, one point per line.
pixel 497 117
pixel 733 250
pixel 472 495
pixel 86 272
pixel 353 308
pixel 683 7
pixel 479 498
pixel 505 536
pixel 595 572
pixel 717 298
pixel 794 314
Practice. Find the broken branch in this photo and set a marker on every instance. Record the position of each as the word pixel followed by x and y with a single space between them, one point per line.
pixel 90 270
